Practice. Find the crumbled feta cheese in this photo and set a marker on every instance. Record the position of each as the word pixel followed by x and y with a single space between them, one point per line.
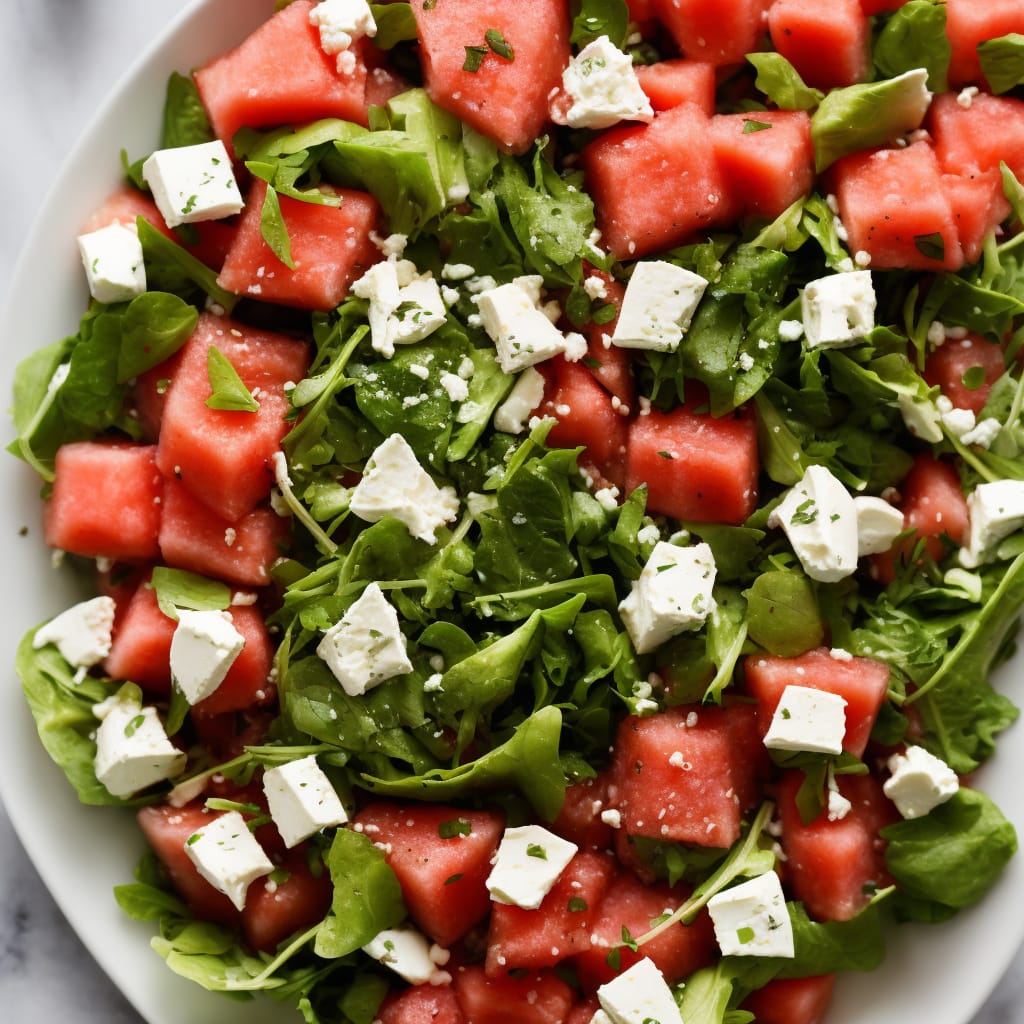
pixel 808 719
pixel 838 310
pixel 132 748
pixel 528 863
pixel 919 782
pixel 204 646
pixel 984 433
pixel 395 484
pixel 301 799
pixel 790 330
pixel 193 183
pixel 114 267
pixel 366 647
pixel 878 524
pixel 957 421
pixel 455 387
pixel 994 510
pixel 521 333
pixel 604 88
pixel 751 919
pixel 406 951
pixel 228 856
pixel 405 306
pixel 595 287
pixel 673 594
pixel 638 995
pixel 658 305
pixel 341 23
pixel 81 633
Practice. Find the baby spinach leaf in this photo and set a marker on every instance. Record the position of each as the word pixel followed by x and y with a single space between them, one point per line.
pixel 185 122
pixel 228 391
pixel 915 37
pixel 1002 61
pixel 782 84
pixel 154 326
pixel 178 588
pixel 395 24
pixel 171 268
pixel 783 615
pixel 596 18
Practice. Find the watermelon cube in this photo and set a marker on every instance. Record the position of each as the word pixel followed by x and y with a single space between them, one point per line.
pixel 977 135
pixel 979 205
pixel 539 997
pixel 952 362
pixel 970 22
pixel 421 1004
pixel 792 1000
pixel 721 32
pixel 828 44
pixel 671 82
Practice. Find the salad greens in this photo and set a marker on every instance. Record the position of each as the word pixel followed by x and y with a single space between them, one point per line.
pixel 522 668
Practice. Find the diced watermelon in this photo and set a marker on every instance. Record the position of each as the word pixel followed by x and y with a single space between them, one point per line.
pixel 766 159
pixel 579 820
pixel 894 207
pixel 629 903
pixel 586 416
pixel 861 682
pixel 970 22
pixel 330 248
pixel 977 136
pixel 149 393
pixel 442 872
pixel 655 186
pixel 124 206
pixel 671 82
pixel 611 365
pixel 559 928
pixel 280 75
pixel 194 537
pixel 105 501
pixel 870 7
pixel 833 867
pixel 720 32
pixel 676 776
pixel 540 997
pixel 950 367
pixel 506 97
pixel 792 1000
pixel 933 504
pixel 222 456
pixel 696 466
pixel 421 1004
pixel 583 1012
pixel 826 43
pixel 979 205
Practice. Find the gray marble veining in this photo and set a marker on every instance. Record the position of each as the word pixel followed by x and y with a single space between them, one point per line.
pixel 58 58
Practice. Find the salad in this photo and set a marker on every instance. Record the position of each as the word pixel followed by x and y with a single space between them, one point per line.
pixel 618 546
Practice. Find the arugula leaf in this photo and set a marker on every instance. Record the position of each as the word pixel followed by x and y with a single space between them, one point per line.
pixel 171 268
pixel 228 390
pixel 274 230
pixel 184 121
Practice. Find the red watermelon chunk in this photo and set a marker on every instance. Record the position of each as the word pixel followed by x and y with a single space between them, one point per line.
pixel 861 682
pixel 765 168
pixel 671 82
pixel 696 466
pixel 558 928
pixel 978 135
pixel 442 872
pixel 833 867
pixel 330 247
pixel 105 501
pixel 540 997
pixel 280 75
pixel 720 32
pixel 827 43
pixel 611 365
pixel 952 361
pixel 657 185
pixel 792 1000
pixel 223 457
pixel 970 22
pixel 421 1004
pixel 504 99
pixel 579 819
pixel 124 206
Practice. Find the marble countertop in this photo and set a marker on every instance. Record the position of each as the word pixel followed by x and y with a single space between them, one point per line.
pixel 58 58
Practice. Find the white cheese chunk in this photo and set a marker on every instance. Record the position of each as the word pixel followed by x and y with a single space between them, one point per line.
pixel 808 719
pixel 820 519
pixel 405 306
pixel 838 310
pixel 527 864
pixel 994 511
pixel 639 995
pixel 419 313
pixel 204 646
pixel 301 799
pixel 526 395
pixel 751 919
pixel 367 647
pixel 81 633
pixel 983 433
pixel 919 782
pixel 114 267
pixel 658 306
pixel 132 748
pixel 407 952
pixel 878 525
pixel 341 23
pixel 673 594
pixel 193 183
pixel 228 856
pixel 395 484
pixel 604 88
pixel 521 332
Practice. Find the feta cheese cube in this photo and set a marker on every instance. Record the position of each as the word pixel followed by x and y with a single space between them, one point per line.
pixel 838 310
pixel 604 88
pixel 114 267
pixel 878 525
pixel 81 633
pixel 521 333
pixel 228 856
pixel 526 395
pixel 751 919
pixel 919 782
pixel 658 306
pixel 994 511
pixel 527 864
pixel 301 799
pixel 132 748
pixel 366 648
pixel 193 183
pixel 419 313
pixel 639 995
pixel 673 594
pixel 341 23
pixel 406 951
pixel 204 646
pixel 808 719
pixel 405 306
pixel 819 518
pixel 395 484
